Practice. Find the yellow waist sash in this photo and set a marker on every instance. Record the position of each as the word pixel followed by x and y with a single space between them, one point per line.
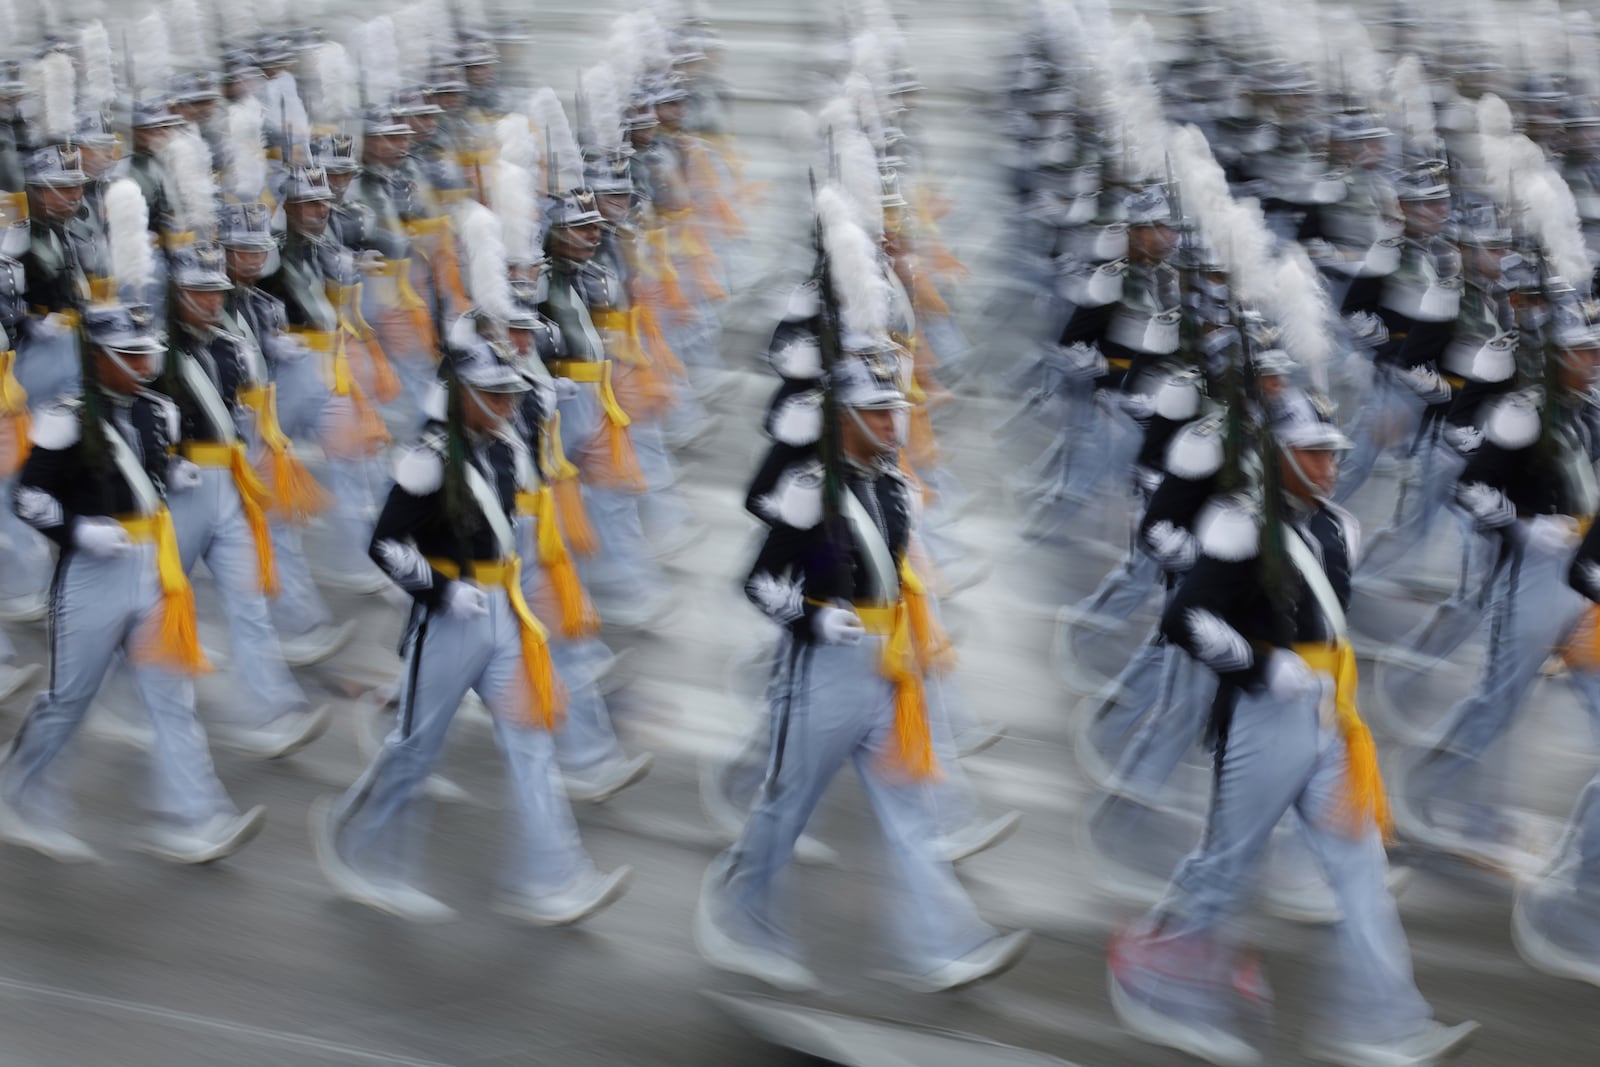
pixel 253 497
pixel 546 696
pixel 1364 802
pixel 174 638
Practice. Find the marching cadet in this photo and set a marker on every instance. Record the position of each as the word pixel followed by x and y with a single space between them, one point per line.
pixel 622 576
pixel 307 633
pixel 1263 608
pixel 1555 922
pixel 1530 485
pixel 848 685
pixel 58 266
pixel 209 374
pixel 1418 305
pixel 96 484
pixel 311 264
pixel 446 538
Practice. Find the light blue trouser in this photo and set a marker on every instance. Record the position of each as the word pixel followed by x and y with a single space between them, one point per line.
pixel 24 552
pixel 623 567
pixel 1427 491
pixel 48 368
pixel 1276 758
pixel 298 608
pixel 662 510
pixel 1162 720
pixel 353 484
pixel 585 739
pixel 834 705
pixel 1533 613
pixel 1388 417
pixel 211 527
pixel 97 609
pixel 381 823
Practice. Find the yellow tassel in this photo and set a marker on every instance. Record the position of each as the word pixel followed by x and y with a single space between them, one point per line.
pixel 1582 650
pixel 253 501
pixel 913 743
pixel 934 650
pixel 622 462
pixel 547 696
pixel 295 495
pixel 575 525
pixel 1363 803
pixel 654 342
pixel 14 442
pixel 174 639
pixel 578 617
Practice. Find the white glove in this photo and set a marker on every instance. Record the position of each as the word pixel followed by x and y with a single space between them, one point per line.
pixel 1366 329
pixel 837 626
pixel 566 389
pixel 101 538
pixel 1552 535
pixel 183 475
pixel 1486 504
pixel 1174 547
pixel 465 601
pixel 1287 675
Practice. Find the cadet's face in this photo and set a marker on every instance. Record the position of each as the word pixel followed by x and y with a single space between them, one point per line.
pixel 387 151
pixel 670 113
pixel 642 138
pixel 1425 217
pixel 200 308
pixel 339 183
pixel 481 77
pixel 57 203
pixel 119 380
pixel 309 217
pixel 614 206
pixel 1151 244
pixel 245 265
pixel 521 341
pixel 198 113
pixel 1310 474
pixel 576 242
pixel 1579 367
pixel 869 439
pixel 483 411
pixel 1272 386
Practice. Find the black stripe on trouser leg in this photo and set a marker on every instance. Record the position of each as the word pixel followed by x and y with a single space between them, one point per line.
pixel 781 736
pixel 52 620
pixel 408 705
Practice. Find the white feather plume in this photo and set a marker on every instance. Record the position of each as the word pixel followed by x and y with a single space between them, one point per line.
pixel 418 36
pixel 187 161
pixel 333 84
pixel 518 146
pixel 602 108
pixel 128 234
pixel 188 29
pixel 1063 32
pixel 559 155
pixel 247 155
pixel 1551 212
pixel 238 22
pixel 512 195
pixel 858 280
pixel 487 282
pixel 1132 105
pixel 1583 56
pixel 1351 63
pixel 272 14
pixel 626 56
pixel 859 90
pixel 380 60
pixel 152 51
pixel 857 169
pixel 54 84
pixel 99 84
pixel 1300 307
pixel 1412 106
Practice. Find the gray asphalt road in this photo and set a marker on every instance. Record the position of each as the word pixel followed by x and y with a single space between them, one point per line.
pixel 252 962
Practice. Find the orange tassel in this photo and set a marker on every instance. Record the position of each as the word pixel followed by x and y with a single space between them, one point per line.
pixel 547 697
pixel 575 526
pixel 14 442
pixel 296 494
pixel 578 617
pixel 912 752
pixel 173 637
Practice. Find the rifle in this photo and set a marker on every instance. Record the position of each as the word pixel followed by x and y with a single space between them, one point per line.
pixel 830 447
